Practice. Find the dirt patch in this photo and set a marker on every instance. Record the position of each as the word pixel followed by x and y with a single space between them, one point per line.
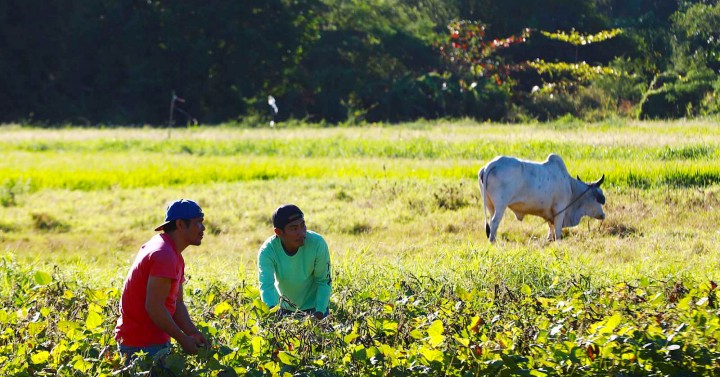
pixel 617 229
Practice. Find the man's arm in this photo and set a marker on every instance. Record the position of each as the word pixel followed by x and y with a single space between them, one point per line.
pixel 323 280
pixel 182 319
pixel 158 290
pixel 266 277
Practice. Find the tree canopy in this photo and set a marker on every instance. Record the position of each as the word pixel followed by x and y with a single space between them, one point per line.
pixel 333 61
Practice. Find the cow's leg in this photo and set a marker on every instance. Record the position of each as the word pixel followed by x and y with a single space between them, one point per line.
pixel 551 231
pixel 491 208
pixel 557 225
pixel 495 222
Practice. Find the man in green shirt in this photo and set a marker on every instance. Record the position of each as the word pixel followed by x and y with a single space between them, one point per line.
pixel 295 264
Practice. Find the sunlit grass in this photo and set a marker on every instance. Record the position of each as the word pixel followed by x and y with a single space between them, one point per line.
pixel 397 196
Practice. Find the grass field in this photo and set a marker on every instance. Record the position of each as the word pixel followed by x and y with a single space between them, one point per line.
pixel 418 289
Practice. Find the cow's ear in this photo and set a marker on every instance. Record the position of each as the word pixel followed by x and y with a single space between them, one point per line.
pixel 599 181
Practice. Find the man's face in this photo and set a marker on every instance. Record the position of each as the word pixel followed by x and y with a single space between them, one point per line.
pixel 293 235
pixel 193 232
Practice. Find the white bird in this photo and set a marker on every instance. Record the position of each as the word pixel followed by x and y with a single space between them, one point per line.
pixel 271 102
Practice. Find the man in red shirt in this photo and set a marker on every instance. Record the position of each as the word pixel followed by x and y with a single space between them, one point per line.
pixel 151 307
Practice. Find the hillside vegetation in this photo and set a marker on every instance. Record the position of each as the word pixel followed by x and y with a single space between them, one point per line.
pixel 104 62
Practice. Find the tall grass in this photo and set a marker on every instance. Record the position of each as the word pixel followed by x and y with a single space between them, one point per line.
pixel 365 187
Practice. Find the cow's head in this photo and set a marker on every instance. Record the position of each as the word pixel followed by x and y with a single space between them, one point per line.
pixel 592 202
pixel 597 192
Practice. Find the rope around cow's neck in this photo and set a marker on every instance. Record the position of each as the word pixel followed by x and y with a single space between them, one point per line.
pixel 571 203
pixel 574 200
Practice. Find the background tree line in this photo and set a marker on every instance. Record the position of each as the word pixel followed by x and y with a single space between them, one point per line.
pixel 118 61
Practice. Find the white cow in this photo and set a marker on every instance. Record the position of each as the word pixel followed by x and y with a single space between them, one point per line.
pixel 542 189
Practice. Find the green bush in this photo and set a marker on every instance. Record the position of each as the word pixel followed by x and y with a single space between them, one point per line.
pixel 545 106
pixel 678 96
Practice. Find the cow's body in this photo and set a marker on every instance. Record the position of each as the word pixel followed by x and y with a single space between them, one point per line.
pixel 543 189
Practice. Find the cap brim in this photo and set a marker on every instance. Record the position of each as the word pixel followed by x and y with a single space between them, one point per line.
pixel 159 228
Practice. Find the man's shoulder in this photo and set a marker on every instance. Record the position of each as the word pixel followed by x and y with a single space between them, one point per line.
pixel 315 239
pixel 158 243
pixel 158 248
pixel 269 244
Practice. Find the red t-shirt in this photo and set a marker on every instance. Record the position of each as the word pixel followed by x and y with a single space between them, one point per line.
pixel 158 257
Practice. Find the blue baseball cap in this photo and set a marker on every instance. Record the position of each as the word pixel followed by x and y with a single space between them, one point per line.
pixel 181 209
pixel 285 214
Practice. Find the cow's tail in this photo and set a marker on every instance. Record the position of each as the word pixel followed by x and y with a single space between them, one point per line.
pixel 483 175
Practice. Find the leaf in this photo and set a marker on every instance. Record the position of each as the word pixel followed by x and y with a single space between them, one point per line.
pixel 464 341
pixel 350 337
pixel 435 332
pixel 257 343
pixel 644 282
pixel 387 351
pixel 390 327
pixel 431 354
pixel 684 303
pixel 272 367
pixel 40 357
pixel 509 362
pixel 222 308
pixel 42 278
pixel 388 308
pixel 526 290
pixel 68 327
pixel 287 358
pixel 35 328
pixel 416 334
pixel 359 353
pixel 436 328
pixel 475 323
pixel 258 304
pixel 92 307
pixel 593 351
pixel 58 351
pixel 93 320
pixel 175 362
pixel 81 364
pixel 612 323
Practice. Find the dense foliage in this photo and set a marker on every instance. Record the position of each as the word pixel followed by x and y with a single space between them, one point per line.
pixel 408 326
pixel 111 62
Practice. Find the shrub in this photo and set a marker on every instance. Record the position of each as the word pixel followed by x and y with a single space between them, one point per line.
pixel 450 198
pixel 47 223
pixel 10 191
pixel 546 106
pixel 357 227
pixel 677 96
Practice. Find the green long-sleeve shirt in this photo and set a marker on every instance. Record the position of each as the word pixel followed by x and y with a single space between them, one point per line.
pixel 303 278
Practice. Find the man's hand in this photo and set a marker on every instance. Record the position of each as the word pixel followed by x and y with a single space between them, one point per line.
pixel 200 339
pixel 190 343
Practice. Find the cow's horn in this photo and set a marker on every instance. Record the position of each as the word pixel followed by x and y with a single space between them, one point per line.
pixel 578 178
pixel 599 181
